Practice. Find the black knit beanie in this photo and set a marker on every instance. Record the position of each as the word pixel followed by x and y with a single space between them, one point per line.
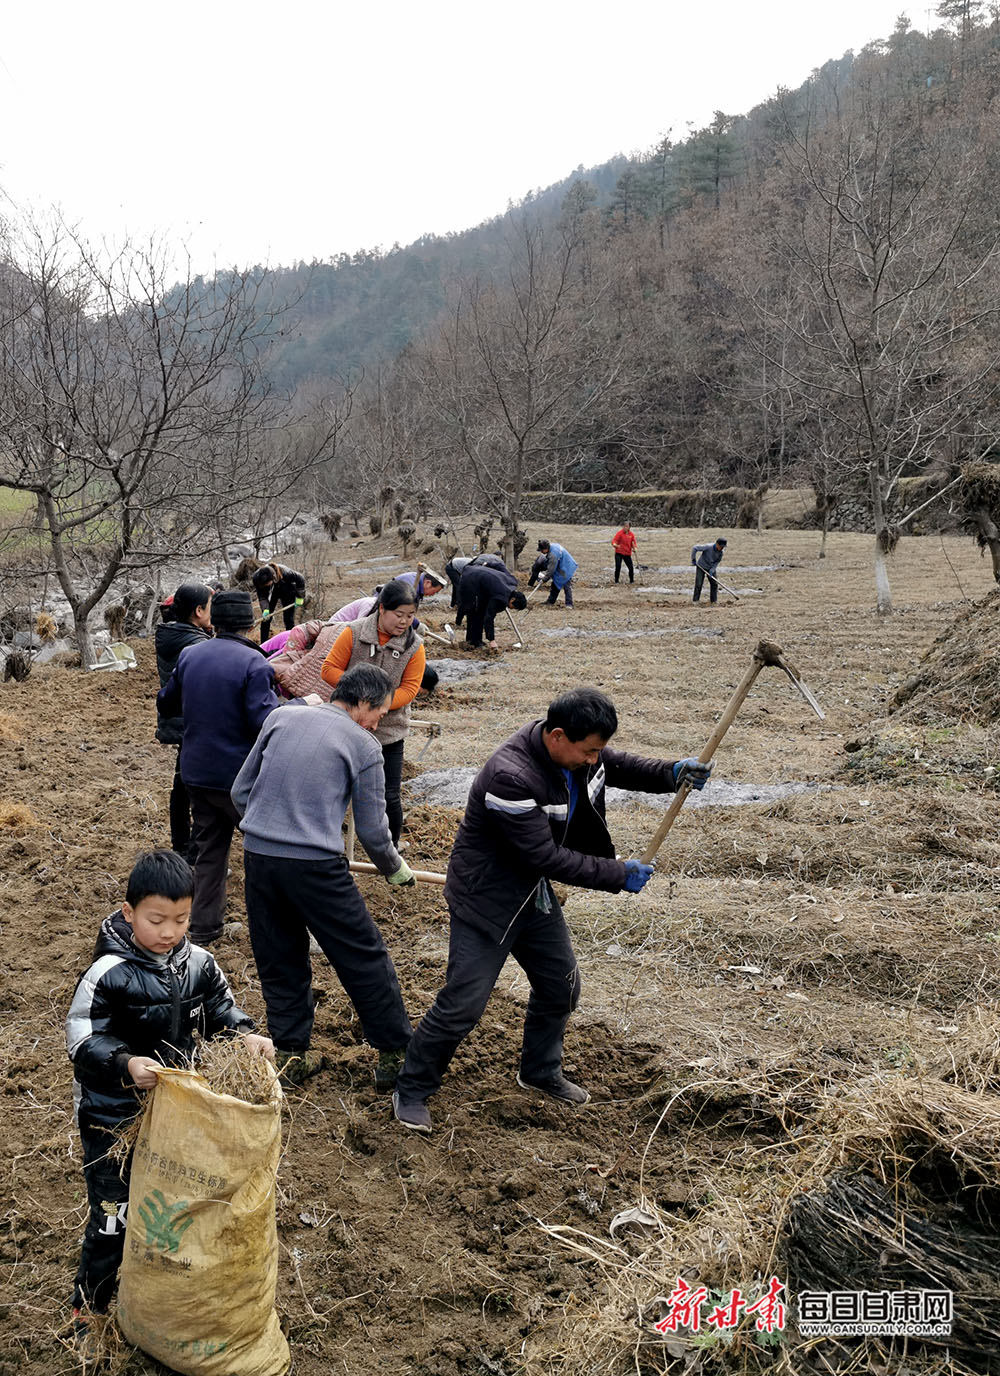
pixel 232 610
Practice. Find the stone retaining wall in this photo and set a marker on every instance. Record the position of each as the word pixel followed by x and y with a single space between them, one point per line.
pixel 729 508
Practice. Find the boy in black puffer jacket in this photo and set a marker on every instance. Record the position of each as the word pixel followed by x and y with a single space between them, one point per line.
pixel 138 1007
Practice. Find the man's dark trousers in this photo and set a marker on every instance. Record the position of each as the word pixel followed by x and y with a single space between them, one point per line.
pixel 288 899
pixel 214 820
pixel 540 943
pixel 699 579
pixel 566 589
pixel 475 617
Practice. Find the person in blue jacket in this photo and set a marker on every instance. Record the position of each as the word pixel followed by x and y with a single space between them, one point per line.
pixel 706 559
pixel 224 690
pixel 560 567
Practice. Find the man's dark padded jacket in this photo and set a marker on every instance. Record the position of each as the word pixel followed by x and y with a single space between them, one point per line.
pixel 516 830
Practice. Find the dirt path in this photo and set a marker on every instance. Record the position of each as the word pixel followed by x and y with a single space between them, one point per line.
pixel 811 941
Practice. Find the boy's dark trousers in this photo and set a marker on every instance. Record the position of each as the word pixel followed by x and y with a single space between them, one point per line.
pixel 540 943
pixel 104 1238
pixel 625 559
pixel 286 900
pixel 699 579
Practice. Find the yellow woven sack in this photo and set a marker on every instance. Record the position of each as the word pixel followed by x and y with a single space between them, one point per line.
pixel 201 1248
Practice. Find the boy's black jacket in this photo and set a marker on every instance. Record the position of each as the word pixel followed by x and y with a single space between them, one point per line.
pixel 130 1004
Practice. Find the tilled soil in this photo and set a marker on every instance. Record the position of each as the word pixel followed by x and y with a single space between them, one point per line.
pixel 786 947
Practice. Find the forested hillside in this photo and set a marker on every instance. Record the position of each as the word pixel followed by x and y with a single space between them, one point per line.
pixel 358 310
pixel 808 290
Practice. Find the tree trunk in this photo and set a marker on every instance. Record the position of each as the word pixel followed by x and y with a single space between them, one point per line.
pixel 84 639
pixel 989 537
pixel 883 592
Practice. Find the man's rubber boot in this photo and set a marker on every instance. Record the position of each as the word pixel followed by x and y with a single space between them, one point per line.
pixel 295 1067
pixel 390 1063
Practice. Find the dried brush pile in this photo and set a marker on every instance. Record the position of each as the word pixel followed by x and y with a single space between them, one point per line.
pixel 960 674
pixel 893 1183
pixel 910 1201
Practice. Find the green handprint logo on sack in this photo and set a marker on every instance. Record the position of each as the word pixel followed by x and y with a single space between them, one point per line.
pixel 164 1222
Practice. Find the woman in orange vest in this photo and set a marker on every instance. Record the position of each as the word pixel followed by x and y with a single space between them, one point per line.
pixel 386 639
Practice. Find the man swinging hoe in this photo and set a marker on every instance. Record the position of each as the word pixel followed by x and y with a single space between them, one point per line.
pixel 535 814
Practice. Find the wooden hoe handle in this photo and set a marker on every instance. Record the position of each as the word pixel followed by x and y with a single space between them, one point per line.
pixel 766 653
pixel 422 876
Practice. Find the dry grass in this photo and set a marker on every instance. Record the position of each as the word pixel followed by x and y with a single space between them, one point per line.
pixel 46 628
pixel 17 818
pixel 816 1187
pixel 10 727
pixel 228 1066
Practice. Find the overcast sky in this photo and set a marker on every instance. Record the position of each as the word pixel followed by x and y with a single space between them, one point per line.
pixel 272 133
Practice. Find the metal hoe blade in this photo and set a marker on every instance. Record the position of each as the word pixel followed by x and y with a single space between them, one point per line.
pixel 797 679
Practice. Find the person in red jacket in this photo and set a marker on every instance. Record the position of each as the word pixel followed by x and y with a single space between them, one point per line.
pixel 623 544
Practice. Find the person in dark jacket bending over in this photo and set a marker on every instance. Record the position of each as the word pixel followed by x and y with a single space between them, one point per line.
pixel 483 593
pixel 535 814
pixel 277 587
pixel 187 620
pixel 224 689
pixel 706 559
pixel 455 568
pixel 136 1008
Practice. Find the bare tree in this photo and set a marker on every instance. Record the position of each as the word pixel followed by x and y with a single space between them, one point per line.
pixel 890 344
pixel 519 372
pixel 135 412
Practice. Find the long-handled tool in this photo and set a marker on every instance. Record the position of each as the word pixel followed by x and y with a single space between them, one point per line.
pixel 766 653
pixel 422 876
pixel 434 635
pixel 719 583
pixel 278 611
pixel 434 730
pixel 519 642
pixel 726 588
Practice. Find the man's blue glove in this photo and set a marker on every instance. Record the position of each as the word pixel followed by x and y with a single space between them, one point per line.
pixel 692 772
pixel 637 875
